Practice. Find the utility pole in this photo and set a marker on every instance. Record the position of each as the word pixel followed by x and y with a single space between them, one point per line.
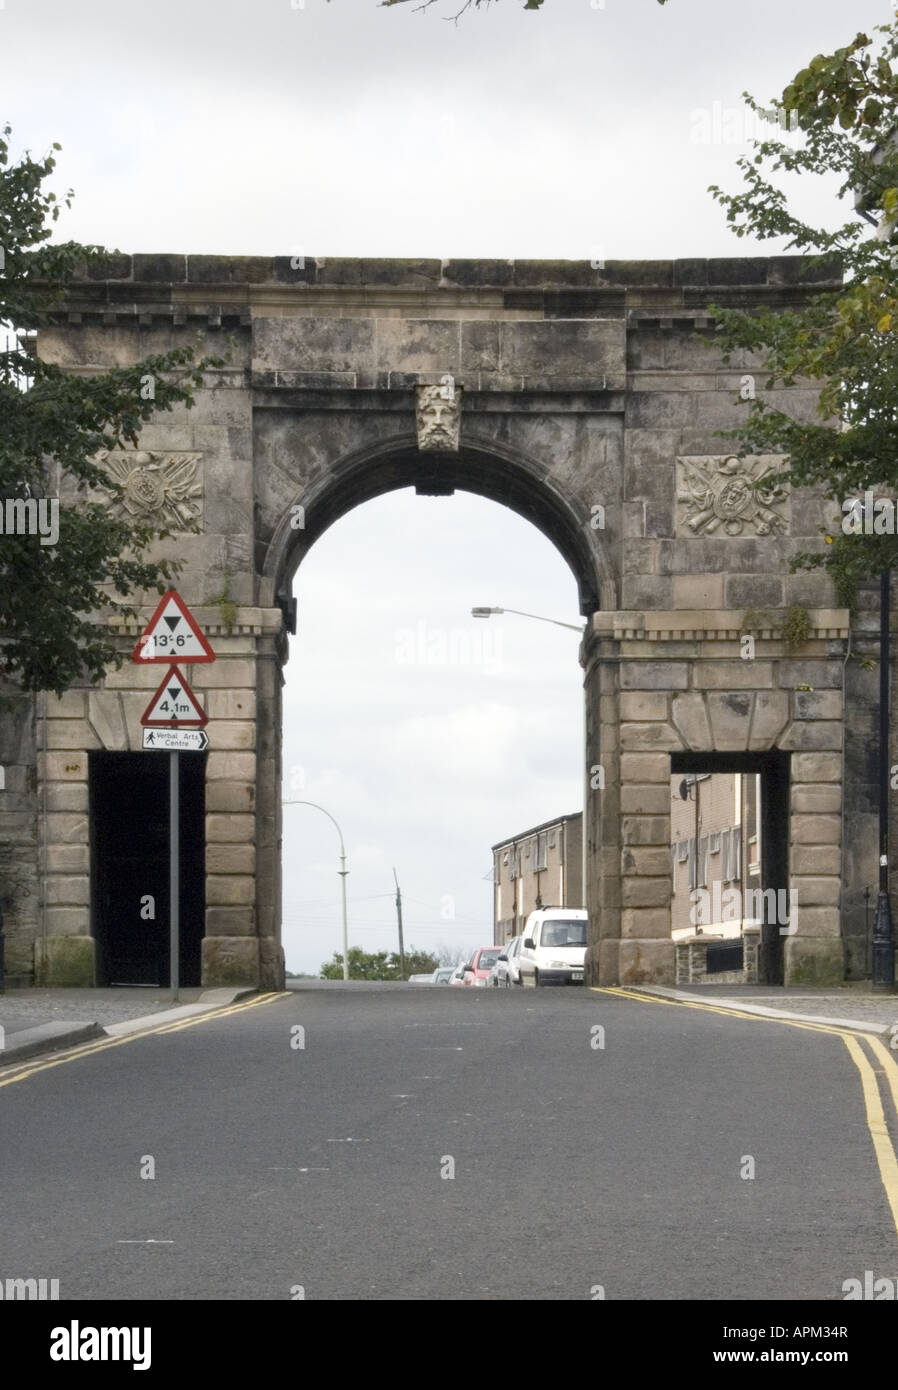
pixel 399 920
pixel 883 929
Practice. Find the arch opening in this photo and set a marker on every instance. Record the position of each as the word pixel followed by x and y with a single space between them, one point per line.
pixel 499 475
pixel 482 736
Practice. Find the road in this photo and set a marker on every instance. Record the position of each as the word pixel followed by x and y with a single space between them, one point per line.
pixel 320 1168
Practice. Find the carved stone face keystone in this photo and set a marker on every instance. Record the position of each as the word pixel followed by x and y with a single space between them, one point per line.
pixel 438 415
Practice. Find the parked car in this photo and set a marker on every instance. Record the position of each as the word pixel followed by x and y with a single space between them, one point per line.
pixel 458 974
pixel 443 974
pixel 553 950
pixel 505 973
pixel 421 979
pixel 481 963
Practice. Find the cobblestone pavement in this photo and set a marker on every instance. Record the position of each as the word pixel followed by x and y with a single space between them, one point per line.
pixel 855 1002
pixel 27 1008
pixel 863 1008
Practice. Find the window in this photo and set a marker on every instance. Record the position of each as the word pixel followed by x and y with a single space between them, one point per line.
pixel 698 862
pixel 750 812
pixel 702 866
pixel 541 853
pixel 752 783
pixel 563 934
pixel 733 857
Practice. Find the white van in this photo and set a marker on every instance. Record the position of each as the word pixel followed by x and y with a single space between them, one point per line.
pixel 553 951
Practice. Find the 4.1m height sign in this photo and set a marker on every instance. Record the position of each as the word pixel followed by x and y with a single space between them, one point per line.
pixel 174 705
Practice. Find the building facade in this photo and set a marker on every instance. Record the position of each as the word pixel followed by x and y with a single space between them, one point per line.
pixel 540 867
pixel 715 853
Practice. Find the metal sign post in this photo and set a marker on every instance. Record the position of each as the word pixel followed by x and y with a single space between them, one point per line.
pixel 173 723
pixel 174 875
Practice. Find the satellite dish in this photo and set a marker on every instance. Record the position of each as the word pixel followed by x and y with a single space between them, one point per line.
pixel 684 790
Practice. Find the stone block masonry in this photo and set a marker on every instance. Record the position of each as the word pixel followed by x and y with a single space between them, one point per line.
pixel 582 391
pixel 723 706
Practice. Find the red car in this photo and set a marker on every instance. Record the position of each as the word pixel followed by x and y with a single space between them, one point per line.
pixel 481 963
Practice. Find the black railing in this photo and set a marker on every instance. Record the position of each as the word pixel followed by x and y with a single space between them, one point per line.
pixel 723 955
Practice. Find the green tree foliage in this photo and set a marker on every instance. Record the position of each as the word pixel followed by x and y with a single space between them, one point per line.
pixel 380 965
pixel 419 963
pixel 843 109
pixel 52 423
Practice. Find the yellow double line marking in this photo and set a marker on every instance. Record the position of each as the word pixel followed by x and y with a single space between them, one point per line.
pixel 88 1049
pixel 876 1120
pixel 223 1012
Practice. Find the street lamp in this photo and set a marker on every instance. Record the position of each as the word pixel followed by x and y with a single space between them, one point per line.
pixel 883 964
pixel 573 627
pixel 342 871
pixel 488 612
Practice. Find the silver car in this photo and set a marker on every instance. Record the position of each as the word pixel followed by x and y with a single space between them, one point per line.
pixel 505 973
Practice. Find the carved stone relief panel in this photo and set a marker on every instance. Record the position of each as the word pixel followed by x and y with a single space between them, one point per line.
pixel 165 489
pixel 725 495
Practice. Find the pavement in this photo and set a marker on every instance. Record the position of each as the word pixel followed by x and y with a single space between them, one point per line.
pixel 850 1006
pixel 34 1021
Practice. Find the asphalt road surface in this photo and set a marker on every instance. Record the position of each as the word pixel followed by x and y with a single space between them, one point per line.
pixel 582 1160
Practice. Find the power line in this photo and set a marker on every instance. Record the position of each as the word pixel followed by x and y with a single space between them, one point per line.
pixel 364 898
pixel 391 927
pixel 446 922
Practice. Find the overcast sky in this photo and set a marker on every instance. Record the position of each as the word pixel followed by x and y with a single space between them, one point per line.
pixel 284 127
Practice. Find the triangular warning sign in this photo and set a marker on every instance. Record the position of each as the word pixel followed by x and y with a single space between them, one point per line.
pixel 174 705
pixel 172 634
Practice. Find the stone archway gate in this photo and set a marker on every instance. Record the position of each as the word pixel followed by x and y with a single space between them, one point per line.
pixel 588 399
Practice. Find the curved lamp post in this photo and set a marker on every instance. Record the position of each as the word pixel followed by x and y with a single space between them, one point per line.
pixel 883 962
pixel 342 871
pixel 574 627
pixel 488 612
pixel 883 965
